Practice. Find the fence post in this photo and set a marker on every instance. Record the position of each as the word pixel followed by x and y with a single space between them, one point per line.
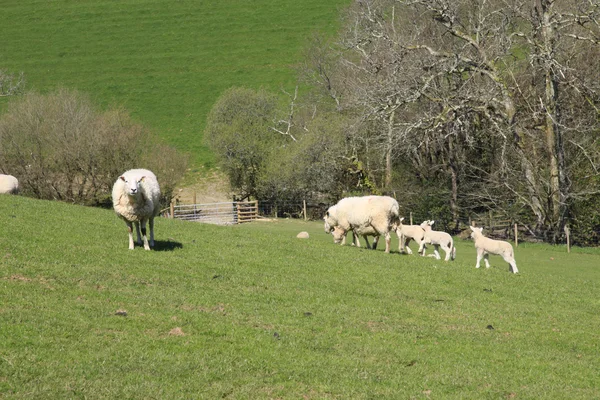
pixel 304 209
pixel 516 236
pixel 411 218
pixel 172 209
pixel 567 232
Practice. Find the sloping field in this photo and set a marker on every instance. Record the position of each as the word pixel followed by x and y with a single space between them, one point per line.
pixel 251 312
pixel 164 61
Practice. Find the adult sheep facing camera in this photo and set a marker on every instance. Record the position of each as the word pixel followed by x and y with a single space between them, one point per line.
pixel 136 199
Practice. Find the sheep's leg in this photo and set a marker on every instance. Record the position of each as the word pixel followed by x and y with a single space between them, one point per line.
pixel 388 240
pixel 479 256
pixel 513 264
pixel 130 233
pixel 436 251
pixel 151 223
pixel 375 241
pixel 137 230
pixel 356 240
pixel 448 251
pixel 144 237
pixel 406 242
pixel 485 258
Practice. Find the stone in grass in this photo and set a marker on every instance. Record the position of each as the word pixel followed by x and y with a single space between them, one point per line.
pixel 122 313
pixel 302 235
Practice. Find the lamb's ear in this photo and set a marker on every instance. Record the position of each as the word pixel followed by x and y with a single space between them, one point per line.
pixel 431 222
pixel 401 219
pixel 122 177
pixel 327 213
pixel 472 228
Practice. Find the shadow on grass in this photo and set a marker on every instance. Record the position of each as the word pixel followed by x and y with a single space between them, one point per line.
pixel 168 245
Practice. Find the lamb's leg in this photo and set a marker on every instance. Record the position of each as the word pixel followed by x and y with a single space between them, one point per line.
pixel 151 223
pixel 513 264
pixel 436 251
pixel 422 249
pixel 447 251
pixel 130 233
pixel 144 237
pixel 356 240
pixel 375 241
pixel 479 256
pixel 137 230
pixel 486 256
pixel 408 250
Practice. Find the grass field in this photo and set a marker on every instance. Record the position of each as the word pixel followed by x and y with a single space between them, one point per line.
pixel 164 61
pixel 251 312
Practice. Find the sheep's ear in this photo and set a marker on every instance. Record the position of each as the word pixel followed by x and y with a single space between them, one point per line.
pixel 431 222
pixel 327 213
pixel 472 228
pixel 401 219
pixel 122 178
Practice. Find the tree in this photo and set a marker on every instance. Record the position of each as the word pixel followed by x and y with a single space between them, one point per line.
pixel 61 148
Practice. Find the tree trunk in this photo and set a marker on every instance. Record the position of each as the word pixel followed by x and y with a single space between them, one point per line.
pixel 388 150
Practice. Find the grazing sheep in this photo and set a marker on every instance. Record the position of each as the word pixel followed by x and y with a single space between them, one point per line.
pixel 406 233
pixel 437 239
pixel 485 246
pixel 8 184
pixel 136 199
pixel 366 216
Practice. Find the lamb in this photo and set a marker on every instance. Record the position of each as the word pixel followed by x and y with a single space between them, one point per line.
pixel 406 233
pixel 366 216
pixel 8 184
pixel 136 199
pixel 339 236
pixel 485 246
pixel 437 239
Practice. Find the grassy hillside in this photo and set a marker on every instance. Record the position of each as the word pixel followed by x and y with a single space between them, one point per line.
pixel 250 312
pixel 164 61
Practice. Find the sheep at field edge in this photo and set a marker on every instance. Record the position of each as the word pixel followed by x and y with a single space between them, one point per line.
pixel 406 233
pixel 366 216
pixel 8 184
pixel 486 246
pixel 136 199
pixel 437 239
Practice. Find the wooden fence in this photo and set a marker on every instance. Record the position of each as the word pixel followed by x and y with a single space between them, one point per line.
pixel 225 213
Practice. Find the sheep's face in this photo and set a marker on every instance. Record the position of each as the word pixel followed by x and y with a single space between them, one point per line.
pixel 475 232
pixel 132 185
pixel 329 222
pixel 426 225
pixel 338 234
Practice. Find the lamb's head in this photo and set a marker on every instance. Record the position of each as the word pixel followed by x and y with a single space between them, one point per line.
pixel 329 219
pixel 338 234
pixel 476 232
pixel 132 184
pixel 426 225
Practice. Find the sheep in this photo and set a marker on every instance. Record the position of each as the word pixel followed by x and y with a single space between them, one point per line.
pixel 406 233
pixel 366 216
pixel 437 239
pixel 485 246
pixel 8 184
pixel 136 199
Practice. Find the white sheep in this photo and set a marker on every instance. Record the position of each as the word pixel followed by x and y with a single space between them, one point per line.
pixel 485 246
pixel 366 216
pixel 339 236
pixel 9 184
pixel 136 199
pixel 406 233
pixel 437 239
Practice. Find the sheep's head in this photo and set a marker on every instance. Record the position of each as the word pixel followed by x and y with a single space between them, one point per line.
pixel 330 222
pixel 426 225
pixel 476 232
pixel 338 234
pixel 132 184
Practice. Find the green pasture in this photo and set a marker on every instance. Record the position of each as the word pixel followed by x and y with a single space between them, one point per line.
pixel 164 61
pixel 252 312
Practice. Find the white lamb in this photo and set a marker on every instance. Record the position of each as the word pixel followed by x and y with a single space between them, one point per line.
pixel 366 216
pixel 339 236
pixel 136 199
pixel 437 239
pixel 8 184
pixel 406 233
pixel 485 246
